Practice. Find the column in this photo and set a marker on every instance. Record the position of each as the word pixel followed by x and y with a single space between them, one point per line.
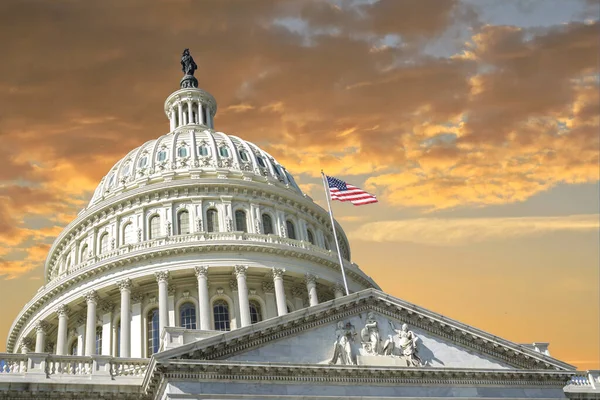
pixel 311 287
pixel 61 335
pixel 163 288
pixel 180 114
pixel 203 298
pixel 201 114
pixel 240 274
pixel 40 336
pixel 171 305
pixel 26 345
pixel 125 337
pixel 91 299
pixel 172 119
pixel 136 326
pixel 338 290
pixel 279 291
pixel 190 113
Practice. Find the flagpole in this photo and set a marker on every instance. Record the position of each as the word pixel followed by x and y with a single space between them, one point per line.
pixel 337 245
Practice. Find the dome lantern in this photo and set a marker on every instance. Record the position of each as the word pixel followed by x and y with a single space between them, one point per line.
pixel 190 105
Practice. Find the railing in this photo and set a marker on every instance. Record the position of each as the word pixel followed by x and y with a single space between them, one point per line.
pixel 51 366
pixel 585 382
pixel 200 237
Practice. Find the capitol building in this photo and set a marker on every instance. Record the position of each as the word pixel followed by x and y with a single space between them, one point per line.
pixel 200 270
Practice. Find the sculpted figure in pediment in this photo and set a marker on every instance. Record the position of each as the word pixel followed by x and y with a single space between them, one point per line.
pixel 369 335
pixel 342 347
pixel 407 341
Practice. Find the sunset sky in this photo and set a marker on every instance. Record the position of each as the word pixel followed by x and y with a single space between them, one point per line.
pixel 476 123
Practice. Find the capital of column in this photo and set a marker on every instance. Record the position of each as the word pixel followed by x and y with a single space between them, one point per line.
pixel 201 270
pixel 41 326
pixel 310 279
pixel 124 284
pixel 63 310
pixel 240 270
pixel 91 297
pixel 162 276
pixel 278 273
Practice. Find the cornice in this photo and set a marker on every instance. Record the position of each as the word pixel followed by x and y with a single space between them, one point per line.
pixel 58 286
pixel 194 370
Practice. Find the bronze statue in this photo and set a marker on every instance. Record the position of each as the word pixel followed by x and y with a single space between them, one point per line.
pixel 188 66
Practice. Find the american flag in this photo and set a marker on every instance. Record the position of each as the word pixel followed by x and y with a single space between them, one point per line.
pixel 342 191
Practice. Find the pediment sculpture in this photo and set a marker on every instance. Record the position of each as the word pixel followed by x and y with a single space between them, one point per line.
pixel 342 347
pixel 400 343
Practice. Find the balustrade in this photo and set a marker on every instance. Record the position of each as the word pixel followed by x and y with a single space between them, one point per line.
pixel 54 365
pixel 200 237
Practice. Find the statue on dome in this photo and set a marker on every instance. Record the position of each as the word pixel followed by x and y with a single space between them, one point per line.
pixel 188 66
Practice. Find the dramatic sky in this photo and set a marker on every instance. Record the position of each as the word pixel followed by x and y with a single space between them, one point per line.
pixel 476 122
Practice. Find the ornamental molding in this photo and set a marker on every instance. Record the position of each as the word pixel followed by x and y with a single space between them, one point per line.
pixel 194 370
pixel 257 335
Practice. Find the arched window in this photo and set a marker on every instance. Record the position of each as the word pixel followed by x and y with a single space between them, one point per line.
pixel 187 316
pixel 126 170
pixel 154 227
pixel 224 152
pixel 221 315
pixel 152 331
pixel 182 151
pixel 291 231
pixel 327 247
pixel 255 314
pixel 240 221
pixel 104 243
pixel 84 253
pixel 203 150
pixel 244 155
pixel 183 222
pixel 267 222
pixel 99 340
pixel 261 162
pixel 143 161
pixel 212 220
pixel 128 234
pixel 162 155
pixel 311 237
pixel 68 265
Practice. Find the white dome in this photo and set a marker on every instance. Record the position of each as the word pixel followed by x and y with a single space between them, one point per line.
pixel 192 152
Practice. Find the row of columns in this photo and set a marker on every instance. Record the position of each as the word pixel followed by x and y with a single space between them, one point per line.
pixel 179 117
pixel 162 278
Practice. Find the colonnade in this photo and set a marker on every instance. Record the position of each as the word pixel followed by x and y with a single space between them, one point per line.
pixel 194 113
pixel 162 278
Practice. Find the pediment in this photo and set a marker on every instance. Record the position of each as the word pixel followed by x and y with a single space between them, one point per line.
pixel 367 329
